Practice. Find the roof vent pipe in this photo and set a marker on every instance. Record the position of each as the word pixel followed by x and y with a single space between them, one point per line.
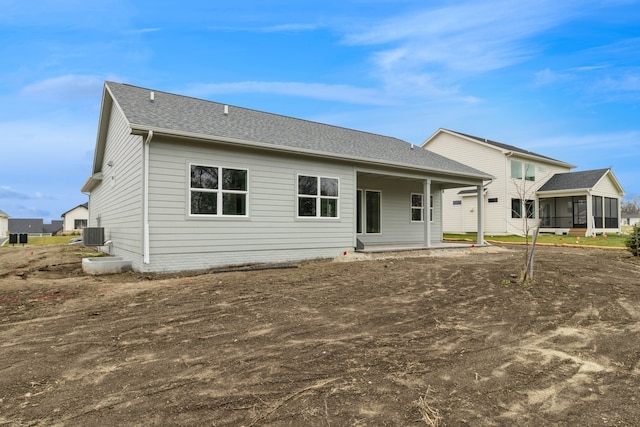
pixel 226 110
pixel 152 96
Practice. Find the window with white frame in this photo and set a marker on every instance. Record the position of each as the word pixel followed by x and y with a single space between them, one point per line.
pixel 529 172
pixel 516 169
pixel 218 191
pixel 417 207
pixel 318 196
pixel 517 208
pixel 521 170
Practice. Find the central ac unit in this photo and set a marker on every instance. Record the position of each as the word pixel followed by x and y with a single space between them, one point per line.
pixel 93 236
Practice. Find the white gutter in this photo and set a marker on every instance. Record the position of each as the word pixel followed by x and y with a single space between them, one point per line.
pixel 145 199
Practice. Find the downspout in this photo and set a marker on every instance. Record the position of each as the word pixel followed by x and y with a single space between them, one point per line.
pixel 145 199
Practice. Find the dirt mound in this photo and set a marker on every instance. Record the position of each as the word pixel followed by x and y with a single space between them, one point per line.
pixel 396 340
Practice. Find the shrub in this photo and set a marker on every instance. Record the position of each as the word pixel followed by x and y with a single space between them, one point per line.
pixel 633 241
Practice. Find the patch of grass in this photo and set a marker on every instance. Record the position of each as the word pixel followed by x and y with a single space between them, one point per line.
pixel 610 240
pixel 49 240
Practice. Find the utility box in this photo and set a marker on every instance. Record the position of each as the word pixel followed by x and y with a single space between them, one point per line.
pixel 13 238
pixel 24 238
pixel 93 236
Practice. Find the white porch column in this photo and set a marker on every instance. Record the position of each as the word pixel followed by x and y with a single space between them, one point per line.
pixel 427 212
pixel 480 198
pixel 591 222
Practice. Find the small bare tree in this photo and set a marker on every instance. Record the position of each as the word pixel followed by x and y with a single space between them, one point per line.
pixel 525 212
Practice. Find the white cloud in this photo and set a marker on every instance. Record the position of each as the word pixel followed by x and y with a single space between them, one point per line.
pixel 589 143
pixel 7 192
pixel 70 86
pixel 440 47
pixel 340 93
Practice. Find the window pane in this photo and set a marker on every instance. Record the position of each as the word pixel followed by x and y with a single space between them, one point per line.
pixel 372 204
pixel 234 179
pixel 307 185
pixel 529 172
pixel 416 214
pixel 306 206
pixel 234 204
pixel 531 208
pixel 516 208
pixel 416 200
pixel 516 169
pixel 329 208
pixel 204 203
pixel 329 187
pixel 204 177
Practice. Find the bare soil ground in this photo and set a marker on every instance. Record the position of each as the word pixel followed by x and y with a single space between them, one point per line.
pixel 438 338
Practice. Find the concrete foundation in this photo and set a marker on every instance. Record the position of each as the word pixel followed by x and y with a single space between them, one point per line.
pixel 105 265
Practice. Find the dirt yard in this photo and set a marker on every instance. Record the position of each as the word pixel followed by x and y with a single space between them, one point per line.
pixel 420 340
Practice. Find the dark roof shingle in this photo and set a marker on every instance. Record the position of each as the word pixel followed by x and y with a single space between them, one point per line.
pixel 573 180
pixel 184 114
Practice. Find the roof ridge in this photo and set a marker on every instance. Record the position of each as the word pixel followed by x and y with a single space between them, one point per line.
pixel 506 146
pixel 262 112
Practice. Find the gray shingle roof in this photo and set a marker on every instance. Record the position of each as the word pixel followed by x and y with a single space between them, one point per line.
pixel 26 225
pixel 182 114
pixel 505 146
pixel 573 180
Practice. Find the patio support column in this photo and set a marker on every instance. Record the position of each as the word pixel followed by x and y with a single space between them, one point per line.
pixel 591 223
pixel 427 212
pixel 480 198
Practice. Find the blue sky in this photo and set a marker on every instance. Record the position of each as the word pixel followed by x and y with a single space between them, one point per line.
pixel 561 78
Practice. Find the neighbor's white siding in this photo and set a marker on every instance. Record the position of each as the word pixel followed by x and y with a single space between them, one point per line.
pixel 461 218
pixel 116 204
pixel 271 232
pixel 606 188
pixel 397 227
pixel 517 187
pixel 68 222
pixel 4 226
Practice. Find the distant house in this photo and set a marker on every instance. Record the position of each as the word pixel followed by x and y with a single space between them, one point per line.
pixel 34 226
pixel 75 219
pixel 180 183
pixel 526 185
pixel 4 225
pixel 630 219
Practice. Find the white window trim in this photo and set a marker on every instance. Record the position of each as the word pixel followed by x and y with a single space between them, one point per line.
pixel 220 192
pixel 421 207
pixel 318 198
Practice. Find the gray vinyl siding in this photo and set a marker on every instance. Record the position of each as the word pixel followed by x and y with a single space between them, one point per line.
pixel 117 201
pixel 270 233
pixel 397 227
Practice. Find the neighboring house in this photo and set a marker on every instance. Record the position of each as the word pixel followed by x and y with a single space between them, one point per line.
pixel 630 219
pixel 75 219
pixel 34 226
pixel 520 176
pixel 180 183
pixel 4 225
